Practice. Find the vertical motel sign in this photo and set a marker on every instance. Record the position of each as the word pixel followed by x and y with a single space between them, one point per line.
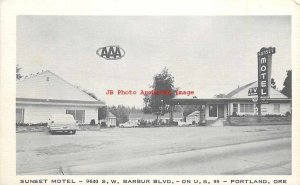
pixel 264 71
pixel 264 75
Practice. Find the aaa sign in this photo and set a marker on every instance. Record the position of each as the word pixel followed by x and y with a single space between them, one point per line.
pixel 111 52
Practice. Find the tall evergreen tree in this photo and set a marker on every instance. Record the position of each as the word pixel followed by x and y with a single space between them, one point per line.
pixel 287 84
pixel 158 103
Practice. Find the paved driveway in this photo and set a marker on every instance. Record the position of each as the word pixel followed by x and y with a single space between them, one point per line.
pixel 174 150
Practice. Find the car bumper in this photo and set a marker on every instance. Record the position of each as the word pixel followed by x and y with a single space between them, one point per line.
pixel 62 129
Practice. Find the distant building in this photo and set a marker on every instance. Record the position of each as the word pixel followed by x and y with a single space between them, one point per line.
pixel 138 116
pixel 177 116
pixel 135 117
pixel 111 120
pixel 39 96
pixel 193 117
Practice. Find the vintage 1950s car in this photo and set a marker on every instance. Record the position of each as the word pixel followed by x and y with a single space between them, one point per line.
pixel 62 123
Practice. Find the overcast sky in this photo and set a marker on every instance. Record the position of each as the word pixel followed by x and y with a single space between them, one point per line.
pixel 208 55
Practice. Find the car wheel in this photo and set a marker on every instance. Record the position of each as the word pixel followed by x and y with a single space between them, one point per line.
pixel 122 126
pixel 52 132
pixel 74 132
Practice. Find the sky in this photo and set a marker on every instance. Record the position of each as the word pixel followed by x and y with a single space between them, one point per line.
pixel 205 54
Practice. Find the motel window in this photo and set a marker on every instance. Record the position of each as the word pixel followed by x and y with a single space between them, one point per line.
pixel 276 108
pixel 78 115
pixel 213 110
pixel 246 108
pixel 19 115
pixel 235 107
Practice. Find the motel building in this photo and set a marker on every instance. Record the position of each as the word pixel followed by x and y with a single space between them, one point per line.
pixel 237 102
pixel 41 95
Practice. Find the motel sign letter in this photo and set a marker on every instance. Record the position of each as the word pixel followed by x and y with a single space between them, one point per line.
pixel 264 70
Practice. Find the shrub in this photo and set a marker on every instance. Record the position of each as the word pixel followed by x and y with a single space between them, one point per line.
pixel 93 122
pixel 103 124
pixel 203 123
pixel 142 123
pixel 174 123
pixel 273 115
pixel 31 124
pixel 82 124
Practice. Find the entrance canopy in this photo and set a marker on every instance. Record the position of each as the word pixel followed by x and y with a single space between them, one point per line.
pixel 201 101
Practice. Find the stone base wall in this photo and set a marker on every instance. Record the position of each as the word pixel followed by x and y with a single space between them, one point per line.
pixel 253 120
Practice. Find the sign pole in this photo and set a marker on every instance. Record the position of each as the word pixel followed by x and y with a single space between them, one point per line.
pixel 258 105
pixel 258 89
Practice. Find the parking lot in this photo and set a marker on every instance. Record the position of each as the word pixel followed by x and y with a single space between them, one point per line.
pixel 165 150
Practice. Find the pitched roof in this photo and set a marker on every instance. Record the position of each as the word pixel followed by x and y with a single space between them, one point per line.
pixel 237 90
pixel 140 115
pixel 175 115
pixel 49 86
pixel 195 113
pixel 111 115
pixel 242 92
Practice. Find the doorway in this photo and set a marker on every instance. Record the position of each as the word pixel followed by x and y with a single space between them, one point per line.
pixel 220 111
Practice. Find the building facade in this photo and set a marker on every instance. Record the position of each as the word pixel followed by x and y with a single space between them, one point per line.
pixel 236 103
pixel 242 104
pixel 41 95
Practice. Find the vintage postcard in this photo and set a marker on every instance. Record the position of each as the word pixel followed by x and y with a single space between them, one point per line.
pixel 120 98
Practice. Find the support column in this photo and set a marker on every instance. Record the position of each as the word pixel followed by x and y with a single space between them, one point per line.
pixel 202 113
pixel 171 113
pixel 200 119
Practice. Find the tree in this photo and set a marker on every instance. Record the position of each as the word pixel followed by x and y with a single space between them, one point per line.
pixel 18 74
pixel 273 83
pixel 134 110
pixel 102 113
pixel 287 84
pixel 158 102
pixel 147 109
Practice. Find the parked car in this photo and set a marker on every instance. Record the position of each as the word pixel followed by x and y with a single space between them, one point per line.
pixel 62 123
pixel 181 123
pixel 128 124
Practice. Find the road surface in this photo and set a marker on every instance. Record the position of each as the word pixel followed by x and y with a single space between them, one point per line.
pixel 156 151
